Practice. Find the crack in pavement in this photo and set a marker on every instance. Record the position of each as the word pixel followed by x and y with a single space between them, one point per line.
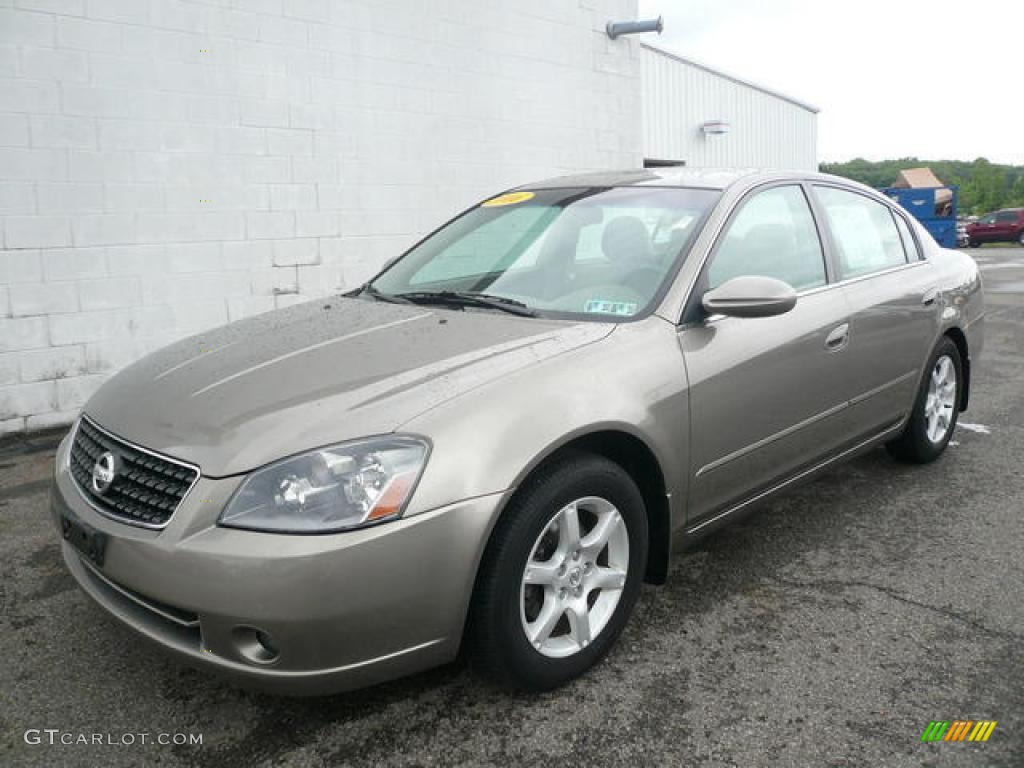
pixel 823 584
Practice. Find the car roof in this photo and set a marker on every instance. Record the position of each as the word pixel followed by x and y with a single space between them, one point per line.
pixel 704 178
pixel 708 178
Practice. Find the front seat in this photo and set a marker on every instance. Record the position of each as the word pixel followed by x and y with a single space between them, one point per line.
pixel 626 244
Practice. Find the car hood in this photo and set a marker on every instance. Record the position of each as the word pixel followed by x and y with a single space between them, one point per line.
pixel 245 394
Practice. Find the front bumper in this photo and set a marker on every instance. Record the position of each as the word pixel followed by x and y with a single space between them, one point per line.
pixel 342 610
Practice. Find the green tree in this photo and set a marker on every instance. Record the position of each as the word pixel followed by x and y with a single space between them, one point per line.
pixel 984 186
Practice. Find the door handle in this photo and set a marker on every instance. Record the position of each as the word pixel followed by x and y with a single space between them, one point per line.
pixel 929 297
pixel 837 339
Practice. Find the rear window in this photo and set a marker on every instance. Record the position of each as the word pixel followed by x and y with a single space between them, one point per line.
pixel 909 244
pixel 864 232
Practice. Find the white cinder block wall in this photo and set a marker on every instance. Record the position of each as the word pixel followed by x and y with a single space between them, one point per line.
pixel 171 165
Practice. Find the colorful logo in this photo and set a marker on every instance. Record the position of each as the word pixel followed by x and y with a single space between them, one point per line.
pixel 958 730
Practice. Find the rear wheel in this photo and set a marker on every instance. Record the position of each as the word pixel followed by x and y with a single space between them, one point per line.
pixel 936 409
pixel 561 574
pixel 1020 237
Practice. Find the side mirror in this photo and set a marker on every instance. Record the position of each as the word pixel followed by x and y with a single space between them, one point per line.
pixel 750 296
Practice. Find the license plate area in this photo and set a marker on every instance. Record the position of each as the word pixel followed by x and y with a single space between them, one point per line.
pixel 88 541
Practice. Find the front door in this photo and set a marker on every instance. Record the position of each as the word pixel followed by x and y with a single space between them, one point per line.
pixel 766 394
pixel 985 232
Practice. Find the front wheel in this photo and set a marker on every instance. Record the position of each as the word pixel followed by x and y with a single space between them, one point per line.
pixel 936 409
pixel 561 574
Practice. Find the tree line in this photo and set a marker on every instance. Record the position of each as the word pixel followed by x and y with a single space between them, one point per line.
pixel 984 186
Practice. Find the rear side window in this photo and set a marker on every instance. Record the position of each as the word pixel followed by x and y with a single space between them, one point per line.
pixel 909 244
pixel 864 232
pixel 773 235
pixel 1006 216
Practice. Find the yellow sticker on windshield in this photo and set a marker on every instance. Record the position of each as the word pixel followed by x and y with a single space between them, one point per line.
pixel 508 199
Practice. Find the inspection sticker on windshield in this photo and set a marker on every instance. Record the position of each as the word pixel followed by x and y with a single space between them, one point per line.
pixel 611 307
pixel 510 198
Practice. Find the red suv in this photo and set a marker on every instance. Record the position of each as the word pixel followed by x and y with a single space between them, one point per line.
pixel 1005 226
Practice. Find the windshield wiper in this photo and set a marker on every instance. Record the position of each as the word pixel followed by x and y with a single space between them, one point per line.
pixel 369 290
pixel 470 299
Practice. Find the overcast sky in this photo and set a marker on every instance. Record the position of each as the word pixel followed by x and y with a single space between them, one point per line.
pixel 893 78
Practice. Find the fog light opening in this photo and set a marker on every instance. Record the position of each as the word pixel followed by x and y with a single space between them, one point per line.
pixel 255 645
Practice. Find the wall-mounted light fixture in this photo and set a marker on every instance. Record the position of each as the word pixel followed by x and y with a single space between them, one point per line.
pixel 716 127
pixel 617 28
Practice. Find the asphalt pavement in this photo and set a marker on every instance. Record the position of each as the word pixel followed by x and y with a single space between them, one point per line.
pixel 828 629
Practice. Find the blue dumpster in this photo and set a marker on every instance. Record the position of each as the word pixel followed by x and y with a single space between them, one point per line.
pixel 937 215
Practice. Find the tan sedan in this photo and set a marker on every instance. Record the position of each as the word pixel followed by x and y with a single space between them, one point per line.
pixel 501 436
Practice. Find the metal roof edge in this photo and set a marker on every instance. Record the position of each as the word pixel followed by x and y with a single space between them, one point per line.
pixel 725 75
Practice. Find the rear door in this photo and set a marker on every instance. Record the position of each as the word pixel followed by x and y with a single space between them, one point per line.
pixel 766 394
pixel 893 300
pixel 1006 226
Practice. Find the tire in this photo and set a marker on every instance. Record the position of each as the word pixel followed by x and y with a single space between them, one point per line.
pixel 975 244
pixel 1020 238
pixel 933 419
pixel 529 536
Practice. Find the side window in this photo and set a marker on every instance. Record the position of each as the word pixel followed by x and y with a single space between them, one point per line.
pixel 864 232
pixel 773 235
pixel 1006 216
pixel 909 244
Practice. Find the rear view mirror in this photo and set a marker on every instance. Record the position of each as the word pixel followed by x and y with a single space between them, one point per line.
pixel 750 296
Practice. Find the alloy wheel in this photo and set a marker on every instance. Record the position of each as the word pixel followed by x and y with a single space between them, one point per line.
pixel 574 577
pixel 941 399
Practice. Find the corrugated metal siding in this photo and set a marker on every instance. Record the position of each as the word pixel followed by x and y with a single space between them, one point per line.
pixel 767 130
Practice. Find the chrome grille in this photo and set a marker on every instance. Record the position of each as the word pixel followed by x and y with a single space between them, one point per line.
pixel 146 489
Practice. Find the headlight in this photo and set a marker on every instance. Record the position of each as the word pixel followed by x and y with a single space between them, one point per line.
pixel 330 489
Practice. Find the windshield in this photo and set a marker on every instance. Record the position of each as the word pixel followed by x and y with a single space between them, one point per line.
pixel 591 253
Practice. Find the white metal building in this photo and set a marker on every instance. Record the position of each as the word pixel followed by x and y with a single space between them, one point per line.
pixel 169 166
pixel 702 117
